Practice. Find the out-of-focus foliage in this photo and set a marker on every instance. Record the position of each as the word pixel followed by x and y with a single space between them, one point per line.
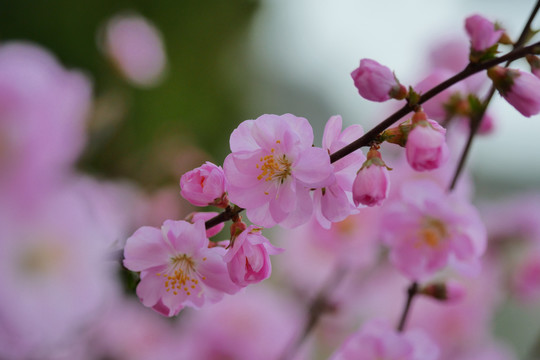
pixel 138 133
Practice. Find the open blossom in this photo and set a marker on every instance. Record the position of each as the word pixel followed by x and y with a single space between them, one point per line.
pixel 204 185
pixel 426 146
pixel 177 267
pixel 272 168
pixel 248 260
pixel 377 340
pixel 482 32
pixel 333 203
pixel 427 230
pixel 376 82
pixel 519 88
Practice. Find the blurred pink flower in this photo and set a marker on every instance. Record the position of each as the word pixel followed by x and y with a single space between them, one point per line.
pixel 377 340
pixel 43 109
pixel 272 168
pixel 333 203
pixel 136 48
pixel 255 324
pixel 248 260
pixel 427 229
pixel 204 185
pixel 177 267
pixel 482 32
pixel 55 272
pixel 376 82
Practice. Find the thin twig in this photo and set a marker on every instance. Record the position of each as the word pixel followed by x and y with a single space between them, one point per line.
pixel 411 292
pixel 476 121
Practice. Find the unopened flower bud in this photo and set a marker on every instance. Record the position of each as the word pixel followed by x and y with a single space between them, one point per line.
pixel 519 88
pixel 534 61
pixel 426 146
pixel 376 82
pixel 451 292
pixel 372 182
pixel 483 35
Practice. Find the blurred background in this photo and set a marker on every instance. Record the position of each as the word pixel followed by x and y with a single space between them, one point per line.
pixel 205 66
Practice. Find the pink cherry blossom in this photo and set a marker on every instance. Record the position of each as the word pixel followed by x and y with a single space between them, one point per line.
pixel 526 279
pixel 272 168
pixel 482 32
pixel 333 203
pixel 204 185
pixel 426 146
pixel 426 230
pixel 177 267
pixel 376 82
pixel 518 87
pixel 377 340
pixel 136 48
pixel 248 259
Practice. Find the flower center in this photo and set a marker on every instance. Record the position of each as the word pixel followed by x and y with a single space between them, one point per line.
pixel 432 233
pixel 181 275
pixel 274 167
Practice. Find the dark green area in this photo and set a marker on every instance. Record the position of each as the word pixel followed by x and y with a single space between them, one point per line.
pixel 197 104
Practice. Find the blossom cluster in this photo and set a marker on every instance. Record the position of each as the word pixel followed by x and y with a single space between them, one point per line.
pixel 352 226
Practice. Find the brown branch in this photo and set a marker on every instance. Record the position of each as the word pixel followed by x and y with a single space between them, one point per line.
pixel 411 293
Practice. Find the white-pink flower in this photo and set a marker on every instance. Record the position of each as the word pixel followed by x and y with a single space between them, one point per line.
pixel 482 32
pixel 426 146
pixel 333 203
pixel 177 267
pixel 204 185
pixel 427 229
pixel 377 340
pixel 272 168
pixel 248 260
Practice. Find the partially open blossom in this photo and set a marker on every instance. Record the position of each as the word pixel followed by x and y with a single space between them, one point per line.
pixel 372 182
pixel 177 267
pixel 519 88
pixel 204 185
pixel 272 168
pixel 377 340
pixel 248 259
pixel 426 146
pixel 427 229
pixel 333 203
pixel 376 82
pixel 136 48
pixel 482 32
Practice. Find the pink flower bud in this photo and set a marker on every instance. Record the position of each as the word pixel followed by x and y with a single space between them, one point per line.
pixel 519 88
pixel 248 259
pixel 426 146
pixel 204 185
pixel 451 292
pixel 376 82
pixel 372 181
pixel 205 216
pixel 482 32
